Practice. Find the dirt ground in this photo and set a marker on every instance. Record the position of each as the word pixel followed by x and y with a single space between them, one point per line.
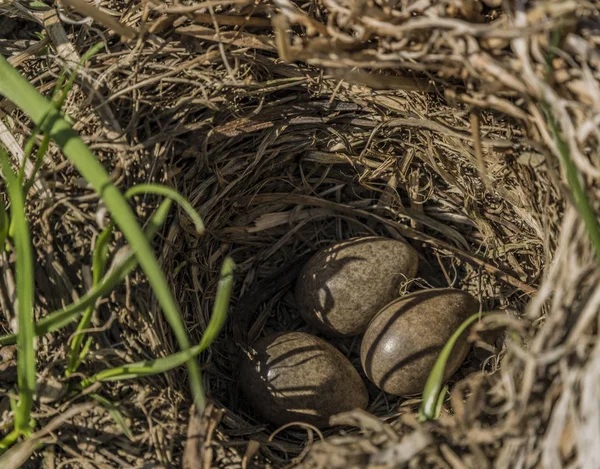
pixel 458 125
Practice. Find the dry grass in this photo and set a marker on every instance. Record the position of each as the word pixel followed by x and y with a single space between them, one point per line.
pixel 411 119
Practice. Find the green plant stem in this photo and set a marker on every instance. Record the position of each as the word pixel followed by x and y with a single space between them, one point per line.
pixel 9 440
pixel 25 294
pixel 161 365
pixel 115 275
pixel 4 224
pixel 157 189
pixel 430 404
pixel 24 95
pixel 580 198
pixel 38 163
pixel 98 267
pixel 99 259
pixel 59 96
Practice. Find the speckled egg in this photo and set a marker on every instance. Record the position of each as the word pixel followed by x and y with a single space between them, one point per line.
pixel 342 287
pixel 294 376
pixel 403 341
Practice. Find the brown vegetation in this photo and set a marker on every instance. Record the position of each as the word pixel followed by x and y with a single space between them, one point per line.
pixel 291 125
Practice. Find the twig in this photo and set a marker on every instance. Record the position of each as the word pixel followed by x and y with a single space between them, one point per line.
pixel 101 17
pixel 403 229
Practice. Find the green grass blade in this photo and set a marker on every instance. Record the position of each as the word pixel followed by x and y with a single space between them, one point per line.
pixel 574 178
pixel 161 365
pixel 32 138
pixel 25 96
pixel 27 152
pixel 4 224
pixel 114 413
pixel 101 252
pixel 142 189
pixel 431 403
pixel 98 268
pixel 440 402
pixel 84 351
pixel 59 96
pixel 114 276
pixel 39 159
pixel 222 298
pixel 9 440
pixel 25 292
pixel 580 198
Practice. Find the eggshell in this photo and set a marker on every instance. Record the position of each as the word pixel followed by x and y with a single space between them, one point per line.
pixel 342 287
pixel 296 376
pixel 403 341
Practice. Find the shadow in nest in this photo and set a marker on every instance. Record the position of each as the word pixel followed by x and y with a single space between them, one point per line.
pixel 273 196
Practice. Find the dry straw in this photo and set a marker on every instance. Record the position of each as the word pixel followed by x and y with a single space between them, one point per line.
pixel 469 128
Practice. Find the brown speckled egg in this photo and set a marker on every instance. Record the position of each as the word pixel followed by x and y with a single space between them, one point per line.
pixel 342 287
pixel 403 341
pixel 294 376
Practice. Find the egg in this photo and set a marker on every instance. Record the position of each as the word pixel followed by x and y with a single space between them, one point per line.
pixel 403 341
pixel 295 376
pixel 342 287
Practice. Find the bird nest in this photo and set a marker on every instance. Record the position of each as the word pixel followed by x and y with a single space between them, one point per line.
pixel 467 128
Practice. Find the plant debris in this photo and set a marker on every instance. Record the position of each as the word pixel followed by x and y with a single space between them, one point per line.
pixel 293 125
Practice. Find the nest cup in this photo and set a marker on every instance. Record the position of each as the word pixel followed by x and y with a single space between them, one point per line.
pixel 329 160
pixel 469 182
pixel 458 156
pixel 296 194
